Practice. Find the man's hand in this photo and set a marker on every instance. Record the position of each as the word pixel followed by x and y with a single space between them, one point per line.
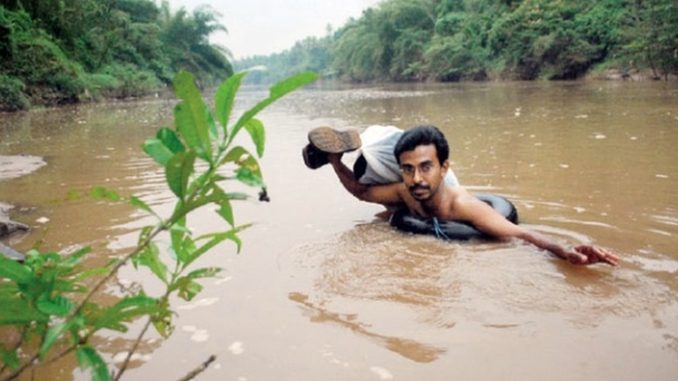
pixel 588 255
pixel 334 158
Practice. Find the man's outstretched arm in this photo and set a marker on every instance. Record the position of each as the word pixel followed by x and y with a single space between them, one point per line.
pixel 487 220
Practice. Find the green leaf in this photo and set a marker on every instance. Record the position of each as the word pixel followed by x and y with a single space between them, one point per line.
pixel 292 83
pixel 212 126
pixel 187 287
pixel 53 334
pixel 85 274
pixel 89 358
pixel 162 320
pixel 277 91
pixel 249 177
pixel 150 257
pixel 179 234
pixel 126 310
pixel 136 202
pixel 170 140
pixel 191 115
pixel 15 271
pixel 157 151
pixel 235 155
pixel 249 171
pixel 225 96
pixel 58 306
pixel 75 257
pixel 258 134
pixel 101 193
pixel 178 170
pixel 214 239
pixel 207 272
pixel 19 311
pixel 239 196
pixel 9 357
pixel 226 211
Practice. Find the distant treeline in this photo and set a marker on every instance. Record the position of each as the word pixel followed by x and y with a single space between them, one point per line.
pixel 65 51
pixel 452 40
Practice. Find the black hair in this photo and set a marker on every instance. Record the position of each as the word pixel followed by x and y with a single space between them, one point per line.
pixel 421 136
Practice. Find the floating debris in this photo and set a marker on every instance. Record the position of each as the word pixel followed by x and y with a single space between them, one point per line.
pixel 660 176
pixel 42 220
pixel 200 336
pixel 599 136
pixel 383 374
pixel 236 348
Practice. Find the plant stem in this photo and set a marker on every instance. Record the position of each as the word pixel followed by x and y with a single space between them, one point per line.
pixel 191 375
pixel 131 352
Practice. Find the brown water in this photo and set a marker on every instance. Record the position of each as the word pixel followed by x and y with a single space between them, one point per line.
pixel 324 290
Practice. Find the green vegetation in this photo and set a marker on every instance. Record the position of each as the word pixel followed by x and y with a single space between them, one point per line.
pixel 452 40
pixel 47 307
pixel 66 51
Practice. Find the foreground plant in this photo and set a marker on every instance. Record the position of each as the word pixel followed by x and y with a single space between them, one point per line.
pixel 46 302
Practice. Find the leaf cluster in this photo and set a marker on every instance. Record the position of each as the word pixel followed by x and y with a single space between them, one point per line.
pixel 47 300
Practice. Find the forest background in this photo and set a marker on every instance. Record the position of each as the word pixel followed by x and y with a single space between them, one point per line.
pixel 57 52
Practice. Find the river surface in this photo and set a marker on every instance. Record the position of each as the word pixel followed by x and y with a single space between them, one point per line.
pixel 325 290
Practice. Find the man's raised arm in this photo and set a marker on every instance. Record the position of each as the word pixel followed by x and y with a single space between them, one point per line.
pixel 389 194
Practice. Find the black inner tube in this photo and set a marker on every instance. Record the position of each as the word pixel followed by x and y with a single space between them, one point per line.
pixel 403 220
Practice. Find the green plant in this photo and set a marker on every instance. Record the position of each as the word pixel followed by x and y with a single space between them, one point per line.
pixel 46 299
pixel 11 94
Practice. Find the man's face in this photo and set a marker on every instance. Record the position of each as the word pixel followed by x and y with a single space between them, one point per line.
pixel 422 172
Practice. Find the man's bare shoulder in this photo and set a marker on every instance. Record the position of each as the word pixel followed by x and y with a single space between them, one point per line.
pixel 461 201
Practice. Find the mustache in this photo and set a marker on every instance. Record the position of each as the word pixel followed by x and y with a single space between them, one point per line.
pixel 419 186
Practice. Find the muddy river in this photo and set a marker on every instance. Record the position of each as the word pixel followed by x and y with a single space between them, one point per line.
pixel 325 290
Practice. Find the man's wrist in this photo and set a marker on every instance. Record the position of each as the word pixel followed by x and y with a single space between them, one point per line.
pixel 334 158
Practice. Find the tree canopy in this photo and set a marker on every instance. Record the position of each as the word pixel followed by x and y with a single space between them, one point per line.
pixel 451 40
pixel 69 50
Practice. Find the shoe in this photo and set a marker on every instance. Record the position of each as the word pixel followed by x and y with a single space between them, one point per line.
pixel 313 157
pixel 330 140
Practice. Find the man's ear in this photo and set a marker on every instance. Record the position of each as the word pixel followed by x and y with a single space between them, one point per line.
pixel 446 165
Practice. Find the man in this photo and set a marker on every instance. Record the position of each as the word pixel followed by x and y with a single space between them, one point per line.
pixel 422 154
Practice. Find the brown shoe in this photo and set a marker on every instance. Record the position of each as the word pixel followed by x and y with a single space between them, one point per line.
pixel 330 140
pixel 313 157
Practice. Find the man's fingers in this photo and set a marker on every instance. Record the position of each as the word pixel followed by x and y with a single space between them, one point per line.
pixel 606 256
pixel 596 254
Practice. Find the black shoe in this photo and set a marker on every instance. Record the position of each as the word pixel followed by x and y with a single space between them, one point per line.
pixel 313 157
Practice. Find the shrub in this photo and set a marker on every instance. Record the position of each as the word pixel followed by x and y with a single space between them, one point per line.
pixel 12 95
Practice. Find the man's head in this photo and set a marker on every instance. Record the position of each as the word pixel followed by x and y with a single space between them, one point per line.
pixel 422 154
pixel 421 136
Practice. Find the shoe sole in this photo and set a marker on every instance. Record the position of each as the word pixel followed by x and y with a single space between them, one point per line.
pixel 330 140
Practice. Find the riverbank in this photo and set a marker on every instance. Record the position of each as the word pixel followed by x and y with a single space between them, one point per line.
pixel 12 167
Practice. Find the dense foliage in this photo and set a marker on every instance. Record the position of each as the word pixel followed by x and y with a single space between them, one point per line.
pixel 64 51
pixel 48 306
pixel 451 40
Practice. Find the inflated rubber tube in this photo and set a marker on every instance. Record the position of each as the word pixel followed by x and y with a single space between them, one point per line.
pixel 403 220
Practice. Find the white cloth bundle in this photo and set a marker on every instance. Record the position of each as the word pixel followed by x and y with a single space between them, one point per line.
pixel 377 147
